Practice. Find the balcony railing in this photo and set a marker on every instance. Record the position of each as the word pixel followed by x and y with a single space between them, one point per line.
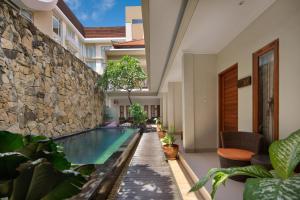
pixel 72 44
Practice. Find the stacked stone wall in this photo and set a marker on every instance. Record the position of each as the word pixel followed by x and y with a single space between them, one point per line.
pixel 44 89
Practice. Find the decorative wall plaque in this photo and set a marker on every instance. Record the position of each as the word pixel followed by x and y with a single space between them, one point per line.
pixel 244 82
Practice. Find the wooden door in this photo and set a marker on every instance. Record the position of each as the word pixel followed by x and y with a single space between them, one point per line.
pixel 152 108
pixel 121 111
pixel 228 99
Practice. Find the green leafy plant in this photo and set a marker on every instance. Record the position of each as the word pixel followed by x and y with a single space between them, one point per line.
pixel 138 114
pixel 169 139
pixel 280 183
pixel 157 121
pixel 34 167
pixel 125 74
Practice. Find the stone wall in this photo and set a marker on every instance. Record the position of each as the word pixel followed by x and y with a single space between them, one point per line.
pixel 44 89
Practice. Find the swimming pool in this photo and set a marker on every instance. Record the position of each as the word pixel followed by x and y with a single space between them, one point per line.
pixel 96 146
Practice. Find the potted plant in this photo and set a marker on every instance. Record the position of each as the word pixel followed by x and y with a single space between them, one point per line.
pixel 158 124
pixel 170 149
pixel 162 133
pixel 281 183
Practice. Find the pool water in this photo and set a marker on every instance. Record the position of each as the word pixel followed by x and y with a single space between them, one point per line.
pixel 94 147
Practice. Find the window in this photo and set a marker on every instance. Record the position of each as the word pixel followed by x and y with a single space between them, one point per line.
pixel 91 51
pixel 92 64
pixel 56 25
pixel 137 21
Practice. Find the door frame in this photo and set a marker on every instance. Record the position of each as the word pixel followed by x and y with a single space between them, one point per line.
pixel 255 87
pixel 221 107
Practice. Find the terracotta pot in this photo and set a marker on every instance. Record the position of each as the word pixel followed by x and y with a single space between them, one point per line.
pixel 161 134
pixel 171 152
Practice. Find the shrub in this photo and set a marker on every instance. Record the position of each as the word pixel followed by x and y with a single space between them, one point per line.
pixel 138 114
pixel 34 167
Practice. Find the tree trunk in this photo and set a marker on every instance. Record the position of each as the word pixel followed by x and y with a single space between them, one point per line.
pixel 129 98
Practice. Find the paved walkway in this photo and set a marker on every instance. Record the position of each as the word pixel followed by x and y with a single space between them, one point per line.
pixel 148 176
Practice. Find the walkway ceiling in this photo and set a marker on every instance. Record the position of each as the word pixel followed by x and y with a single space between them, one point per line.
pixel 213 25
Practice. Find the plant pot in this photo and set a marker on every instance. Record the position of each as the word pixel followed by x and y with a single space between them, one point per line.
pixel 161 134
pixel 171 151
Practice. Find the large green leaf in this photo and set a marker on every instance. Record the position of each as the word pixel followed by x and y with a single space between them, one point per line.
pixel 9 163
pixel 40 180
pixel 39 147
pixel 10 141
pixel 272 189
pixel 285 155
pixel 70 186
pixel 22 182
pixel 220 175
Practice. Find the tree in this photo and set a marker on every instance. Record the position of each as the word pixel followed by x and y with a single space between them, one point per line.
pixel 125 74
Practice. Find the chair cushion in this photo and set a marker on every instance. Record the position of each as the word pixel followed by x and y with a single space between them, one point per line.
pixel 235 154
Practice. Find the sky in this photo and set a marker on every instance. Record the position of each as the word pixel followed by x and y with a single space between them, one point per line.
pixel 93 13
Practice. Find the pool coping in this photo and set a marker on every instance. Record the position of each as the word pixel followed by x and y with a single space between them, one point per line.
pixel 103 179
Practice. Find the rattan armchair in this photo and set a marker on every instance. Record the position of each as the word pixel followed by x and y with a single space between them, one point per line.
pixel 237 148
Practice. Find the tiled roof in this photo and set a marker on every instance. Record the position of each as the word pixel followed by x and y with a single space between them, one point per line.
pixel 104 32
pixel 91 32
pixel 130 44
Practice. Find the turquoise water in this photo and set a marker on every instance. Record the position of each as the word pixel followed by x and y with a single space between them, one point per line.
pixel 94 147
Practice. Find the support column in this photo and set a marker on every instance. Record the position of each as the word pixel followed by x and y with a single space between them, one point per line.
pixel 199 102
pixel 165 109
pixel 174 100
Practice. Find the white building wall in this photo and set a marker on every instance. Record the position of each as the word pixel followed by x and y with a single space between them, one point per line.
pixel 282 21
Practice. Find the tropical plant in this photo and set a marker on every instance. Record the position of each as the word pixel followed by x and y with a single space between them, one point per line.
pixel 157 121
pixel 125 74
pixel 280 183
pixel 34 167
pixel 138 114
pixel 169 139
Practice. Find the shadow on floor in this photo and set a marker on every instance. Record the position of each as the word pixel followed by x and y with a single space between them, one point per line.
pixel 146 182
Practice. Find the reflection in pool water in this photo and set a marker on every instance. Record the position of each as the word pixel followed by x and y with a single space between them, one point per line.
pixel 94 146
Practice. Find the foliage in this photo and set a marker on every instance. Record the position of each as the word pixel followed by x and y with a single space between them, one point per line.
pixel 34 167
pixel 280 183
pixel 126 74
pixel 157 121
pixel 169 139
pixel 138 114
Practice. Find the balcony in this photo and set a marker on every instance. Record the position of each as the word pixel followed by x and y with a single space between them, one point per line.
pixel 72 44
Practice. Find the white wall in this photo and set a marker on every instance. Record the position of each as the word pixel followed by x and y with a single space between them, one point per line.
pixel 174 106
pixel 199 102
pixel 281 20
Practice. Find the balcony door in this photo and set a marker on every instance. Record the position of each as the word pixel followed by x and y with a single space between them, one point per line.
pixel 265 91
